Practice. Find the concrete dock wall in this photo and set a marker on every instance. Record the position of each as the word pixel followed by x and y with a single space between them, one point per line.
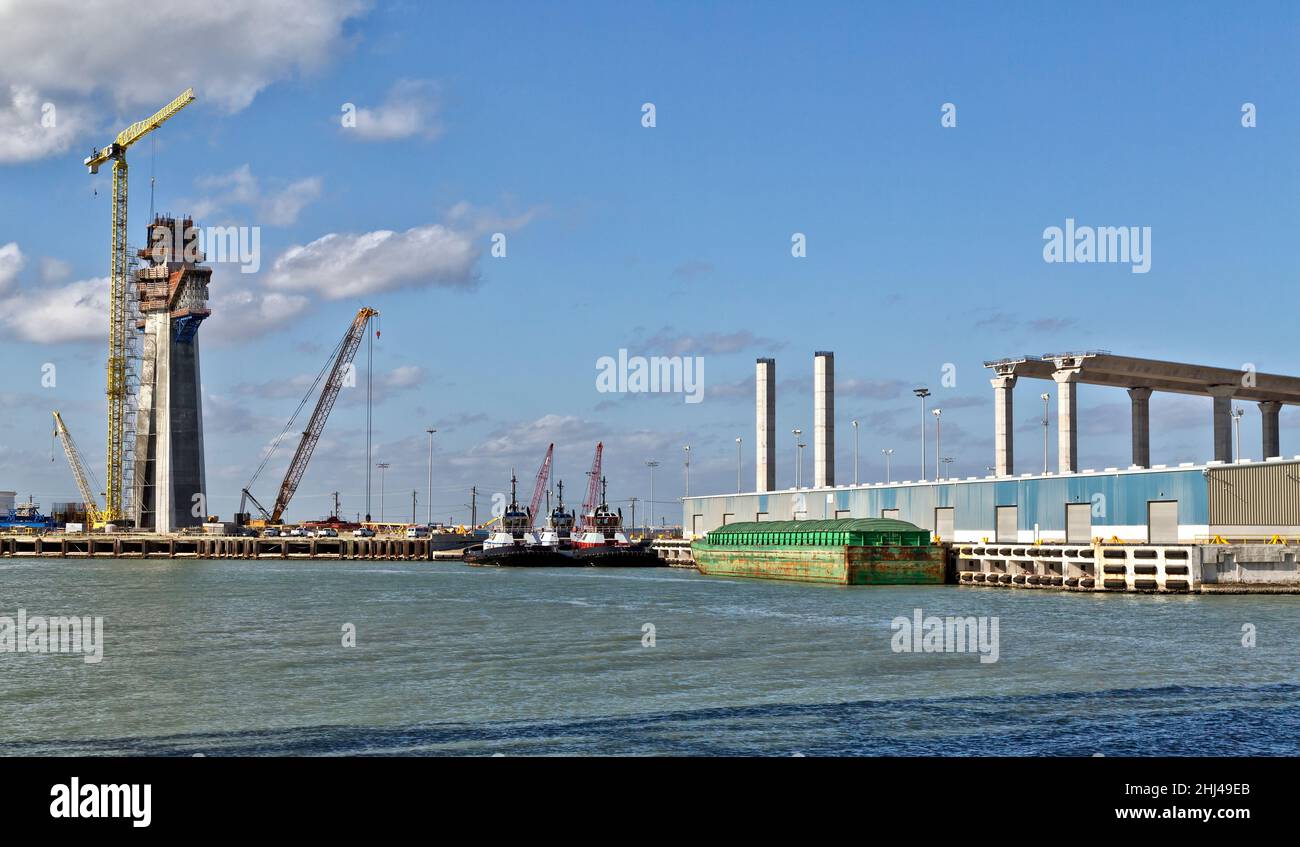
pixel 199 547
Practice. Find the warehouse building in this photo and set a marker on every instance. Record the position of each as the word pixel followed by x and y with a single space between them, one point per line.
pixel 1140 504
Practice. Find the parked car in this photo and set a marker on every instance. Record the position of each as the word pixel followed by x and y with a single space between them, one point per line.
pixel 363 532
pixel 327 532
pixel 417 532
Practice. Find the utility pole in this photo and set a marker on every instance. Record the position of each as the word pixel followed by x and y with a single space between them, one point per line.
pixel 855 452
pixel 798 459
pixel 738 443
pixel 336 504
pixel 429 492
pixel 633 502
pixel 1236 429
pixel 413 507
pixel 473 507
pixel 947 460
pixel 922 393
pixel 383 466
pixel 936 414
pixel 652 464
pixel 1045 397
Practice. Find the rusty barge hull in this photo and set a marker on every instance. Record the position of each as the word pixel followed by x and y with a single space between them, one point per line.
pixel 835 565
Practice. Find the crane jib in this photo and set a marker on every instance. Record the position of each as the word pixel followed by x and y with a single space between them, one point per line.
pixel 329 393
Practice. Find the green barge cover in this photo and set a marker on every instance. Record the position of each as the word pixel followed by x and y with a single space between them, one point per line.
pixel 855 532
pixel 849 551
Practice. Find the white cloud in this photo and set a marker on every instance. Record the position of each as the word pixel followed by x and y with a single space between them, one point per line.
pixel 32 128
pixel 11 262
pixel 339 266
pixel 74 52
pixel 241 188
pixel 411 109
pixel 137 52
pixel 74 312
pixel 240 313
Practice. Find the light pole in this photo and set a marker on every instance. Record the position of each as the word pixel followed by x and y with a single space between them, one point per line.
pixel 798 460
pixel 936 413
pixel 922 393
pixel 1046 420
pixel 383 466
pixel 739 440
pixel 650 507
pixel 687 451
pixel 429 491
pixel 855 452
pixel 887 453
pixel 1236 429
pixel 800 447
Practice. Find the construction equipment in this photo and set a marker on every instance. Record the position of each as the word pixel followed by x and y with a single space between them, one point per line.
pixel 543 474
pixel 118 331
pixel 339 373
pixel 593 488
pixel 93 515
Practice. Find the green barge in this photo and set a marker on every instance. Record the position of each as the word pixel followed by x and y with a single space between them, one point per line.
pixel 847 551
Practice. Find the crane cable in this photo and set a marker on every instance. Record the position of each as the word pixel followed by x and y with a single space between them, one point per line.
pixel 301 405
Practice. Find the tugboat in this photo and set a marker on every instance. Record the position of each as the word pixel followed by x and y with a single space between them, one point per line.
pixel 603 543
pixel 513 543
pixel 558 534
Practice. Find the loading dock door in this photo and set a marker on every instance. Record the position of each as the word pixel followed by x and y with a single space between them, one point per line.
pixel 696 529
pixel 943 523
pixel 889 513
pixel 1078 523
pixel 1006 523
pixel 1162 522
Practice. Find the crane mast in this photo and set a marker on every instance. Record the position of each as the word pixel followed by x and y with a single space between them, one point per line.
pixel 593 487
pixel 93 515
pixel 118 331
pixel 311 435
pixel 543 474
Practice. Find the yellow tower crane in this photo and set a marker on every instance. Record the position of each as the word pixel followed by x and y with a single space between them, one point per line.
pixel 93 515
pixel 118 331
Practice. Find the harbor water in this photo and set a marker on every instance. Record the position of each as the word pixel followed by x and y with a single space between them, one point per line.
pixel 248 658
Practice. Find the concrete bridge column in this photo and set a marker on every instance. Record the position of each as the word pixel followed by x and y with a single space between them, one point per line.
pixel 1003 425
pixel 1222 395
pixel 1067 410
pixel 1268 412
pixel 1141 400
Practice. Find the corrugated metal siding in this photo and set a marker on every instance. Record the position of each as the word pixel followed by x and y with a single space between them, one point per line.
pixel 1120 499
pixel 1255 495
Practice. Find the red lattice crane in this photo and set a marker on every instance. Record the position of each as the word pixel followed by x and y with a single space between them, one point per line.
pixel 543 474
pixel 340 372
pixel 593 487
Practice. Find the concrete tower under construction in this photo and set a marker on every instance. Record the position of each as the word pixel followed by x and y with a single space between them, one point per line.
pixel 169 488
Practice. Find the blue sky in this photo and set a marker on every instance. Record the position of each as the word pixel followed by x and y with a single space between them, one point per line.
pixel 924 243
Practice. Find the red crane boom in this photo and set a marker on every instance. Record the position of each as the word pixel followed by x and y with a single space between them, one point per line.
pixel 593 486
pixel 298 466
pixel 542 475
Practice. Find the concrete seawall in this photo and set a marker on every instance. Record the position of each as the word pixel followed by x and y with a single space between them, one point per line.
pixel 1142 568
